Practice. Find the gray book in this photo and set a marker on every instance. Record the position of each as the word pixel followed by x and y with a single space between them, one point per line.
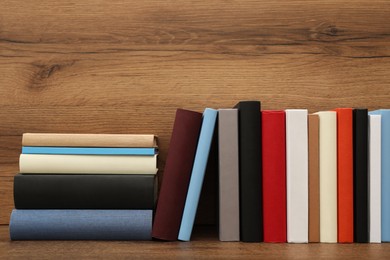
pixel 229 211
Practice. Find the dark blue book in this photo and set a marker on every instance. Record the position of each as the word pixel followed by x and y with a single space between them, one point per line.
pixel 81 224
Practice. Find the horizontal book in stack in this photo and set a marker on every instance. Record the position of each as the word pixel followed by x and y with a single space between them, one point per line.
pixel 85 187
pixel 284 175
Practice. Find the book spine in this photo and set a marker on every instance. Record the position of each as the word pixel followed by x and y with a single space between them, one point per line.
pixel 81 224
pixel 87 164
pixel 87 150
pixel 251 207
pixel 229 210
pixel 374 133
pixel 328 176
pixel 274 176
pixel 197 174
pixel 314 179
pixel 85 191
pixel 177 173
pixel 360 127
pixel 345 175
pixel 297 175
pixel 89 140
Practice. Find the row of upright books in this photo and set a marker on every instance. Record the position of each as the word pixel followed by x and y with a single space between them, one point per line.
pixel 284 176
pixel 85 187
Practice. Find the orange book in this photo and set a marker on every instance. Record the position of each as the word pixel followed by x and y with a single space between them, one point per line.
pixel 345 175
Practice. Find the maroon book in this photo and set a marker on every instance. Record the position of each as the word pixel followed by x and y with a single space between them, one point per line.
pixel 177 174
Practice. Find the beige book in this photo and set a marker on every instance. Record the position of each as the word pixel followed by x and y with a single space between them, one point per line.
pixel 328 176
pixel 89 140
pixel 87 164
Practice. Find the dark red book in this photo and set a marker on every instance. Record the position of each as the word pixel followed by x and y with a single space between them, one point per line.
pixel 177 174
pixel 274 176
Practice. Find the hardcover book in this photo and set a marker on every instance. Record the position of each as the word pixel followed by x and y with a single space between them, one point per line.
pixel 345 175
pixel 360 168
pixel 251 200
pixel 297 176
pixel 229 210
pixel 177 174
pixel 197 174
pixel 88 150
pixel 274 176
pixel 314 179
pixel 328 176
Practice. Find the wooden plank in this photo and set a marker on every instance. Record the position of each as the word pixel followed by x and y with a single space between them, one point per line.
pixel 7 199
pixel 204 245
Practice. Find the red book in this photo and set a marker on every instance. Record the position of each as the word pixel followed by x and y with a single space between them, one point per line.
pixel 274 176
pixel 176 176
pixel 345 175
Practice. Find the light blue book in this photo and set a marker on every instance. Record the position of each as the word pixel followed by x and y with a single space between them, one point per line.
pixel 197 174
pixel 385 176
pixel 34 224
pixel 87 150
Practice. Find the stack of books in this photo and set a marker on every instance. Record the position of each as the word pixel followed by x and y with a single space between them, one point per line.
pixel 284 176
pixel 85 187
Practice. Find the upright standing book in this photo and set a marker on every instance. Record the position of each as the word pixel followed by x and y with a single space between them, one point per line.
pixel 251 215
pixel 229 208
pixel 374 170
pixel 385 173
pixel 360 168
pixel 177 173
pixel 328 176
pixel 197 174
pixel 345 175
pixel 297 176
pixel 274 175
pixel 314 179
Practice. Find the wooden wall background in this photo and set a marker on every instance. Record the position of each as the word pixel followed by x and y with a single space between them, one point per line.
pixel 99 66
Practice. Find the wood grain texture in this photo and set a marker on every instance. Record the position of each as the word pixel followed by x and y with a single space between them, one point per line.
pixel 204 245
pixel 125 66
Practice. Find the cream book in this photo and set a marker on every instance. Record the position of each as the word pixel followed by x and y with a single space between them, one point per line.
pixel 374 188
pixel 328 176
pixel 297 176
pixel 89 140
pixel 87 164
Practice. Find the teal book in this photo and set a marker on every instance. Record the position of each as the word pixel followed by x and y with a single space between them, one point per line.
pixel 197 174
pixel 385 172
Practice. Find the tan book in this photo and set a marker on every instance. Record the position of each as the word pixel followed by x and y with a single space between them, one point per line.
pixel 89 140
pixel 314 180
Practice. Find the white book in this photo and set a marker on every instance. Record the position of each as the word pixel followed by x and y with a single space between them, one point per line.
pixel 87 164
pixel 297 176
pixel 328 176
pixel 374 188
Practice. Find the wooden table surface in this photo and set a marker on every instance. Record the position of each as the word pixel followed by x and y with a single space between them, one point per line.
pixel 100 66
pixel 204 245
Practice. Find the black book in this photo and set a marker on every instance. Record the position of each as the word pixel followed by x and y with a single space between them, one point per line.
pixel 360 175
pixel 124 191
pixel 251 201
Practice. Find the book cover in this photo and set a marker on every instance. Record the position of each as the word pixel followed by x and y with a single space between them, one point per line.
pixel 274 176
pixel 250 165
pixel 80 224
pixel 374 173
pixel 197 174
pixel 314 178
pixel 360 175
pixel 88 150
pixel 297 176
pixel 177 173
pixel 345 175
pixel 87 164
pixel 229 210
pixel 385 172
pixel 328 176
pixel 89 140
pixel 112 191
